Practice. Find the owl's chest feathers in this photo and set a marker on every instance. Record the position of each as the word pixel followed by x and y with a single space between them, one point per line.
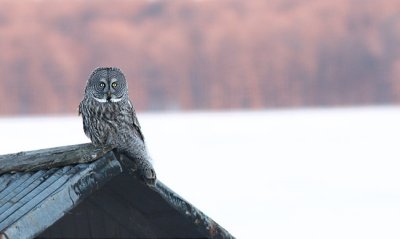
pixel 106 121
pixel 109 113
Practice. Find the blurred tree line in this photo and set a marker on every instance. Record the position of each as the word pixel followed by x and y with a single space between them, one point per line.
pixel 201 54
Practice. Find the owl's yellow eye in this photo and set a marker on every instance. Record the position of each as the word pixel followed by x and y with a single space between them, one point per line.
pixel 102 85
pixel 114 84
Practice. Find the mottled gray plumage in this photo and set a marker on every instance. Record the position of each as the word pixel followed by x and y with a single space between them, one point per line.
pixel 109 118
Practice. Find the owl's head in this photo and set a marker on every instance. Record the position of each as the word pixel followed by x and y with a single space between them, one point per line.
pixel 107 84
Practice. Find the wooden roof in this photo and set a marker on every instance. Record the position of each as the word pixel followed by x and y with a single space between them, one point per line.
pixel 80 191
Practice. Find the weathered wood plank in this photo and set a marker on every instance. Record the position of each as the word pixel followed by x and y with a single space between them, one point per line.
pixel 47 204
pixel 51 158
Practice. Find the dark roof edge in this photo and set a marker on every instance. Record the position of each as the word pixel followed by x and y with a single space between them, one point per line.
pixel 50 158
pixel 204 224
pixel 65 198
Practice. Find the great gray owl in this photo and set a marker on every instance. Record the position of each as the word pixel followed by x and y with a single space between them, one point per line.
pixel 109 119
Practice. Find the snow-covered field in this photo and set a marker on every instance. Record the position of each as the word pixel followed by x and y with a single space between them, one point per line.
pixel 311 173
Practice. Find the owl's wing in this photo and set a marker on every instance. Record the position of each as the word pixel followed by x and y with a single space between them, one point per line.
pixel 136 124
pixel 80 112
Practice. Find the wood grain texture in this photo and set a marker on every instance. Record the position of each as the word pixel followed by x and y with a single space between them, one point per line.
pixel 50 158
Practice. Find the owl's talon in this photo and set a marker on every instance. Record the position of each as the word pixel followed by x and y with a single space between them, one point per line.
pixel 149 176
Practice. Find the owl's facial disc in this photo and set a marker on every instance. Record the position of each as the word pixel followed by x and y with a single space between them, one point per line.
pixel 108 91
pixel 108 85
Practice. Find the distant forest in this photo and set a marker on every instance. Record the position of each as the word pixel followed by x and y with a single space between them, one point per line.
pixel 189 55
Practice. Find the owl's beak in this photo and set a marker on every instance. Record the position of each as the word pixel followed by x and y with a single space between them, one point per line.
pixel 109 96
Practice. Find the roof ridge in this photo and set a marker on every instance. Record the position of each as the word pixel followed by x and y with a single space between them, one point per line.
pixel 51 157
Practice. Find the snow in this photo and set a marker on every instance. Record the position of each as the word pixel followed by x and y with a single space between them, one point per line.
pixel 308 173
